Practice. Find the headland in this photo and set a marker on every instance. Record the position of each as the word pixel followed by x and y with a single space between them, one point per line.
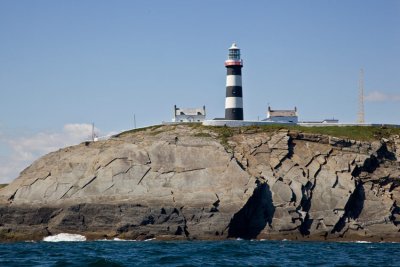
pixel 189 181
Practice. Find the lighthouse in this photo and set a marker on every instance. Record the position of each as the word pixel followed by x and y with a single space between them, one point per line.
pixel 234 100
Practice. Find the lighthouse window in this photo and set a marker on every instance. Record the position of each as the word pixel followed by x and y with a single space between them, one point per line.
pixel 234 54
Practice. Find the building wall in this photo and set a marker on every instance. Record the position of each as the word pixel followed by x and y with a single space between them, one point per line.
pixel 283 119
pixel 189 118
pixel 237 123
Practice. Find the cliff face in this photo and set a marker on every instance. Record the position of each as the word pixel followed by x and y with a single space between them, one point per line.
pixel 191 182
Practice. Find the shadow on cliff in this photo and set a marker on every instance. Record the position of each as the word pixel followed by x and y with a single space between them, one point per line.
pixel 355 204
pixel 353 208
pixel 249 221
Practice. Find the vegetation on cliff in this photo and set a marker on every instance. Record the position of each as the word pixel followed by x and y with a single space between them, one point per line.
pixel 359 133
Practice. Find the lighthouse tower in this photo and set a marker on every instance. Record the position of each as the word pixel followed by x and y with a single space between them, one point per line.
pixel 233 100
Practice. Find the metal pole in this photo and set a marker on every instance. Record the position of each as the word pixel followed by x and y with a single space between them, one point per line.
pixel 93 131
pixel 361 113
pixel 134 121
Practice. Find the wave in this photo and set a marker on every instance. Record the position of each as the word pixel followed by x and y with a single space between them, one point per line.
pixel 123 240
pixel 117 239
pixel 355 241
pixel 64 237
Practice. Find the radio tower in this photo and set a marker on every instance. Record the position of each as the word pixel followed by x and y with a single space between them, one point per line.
pixel 361 114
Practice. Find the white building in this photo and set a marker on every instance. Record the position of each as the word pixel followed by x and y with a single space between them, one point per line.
pixel 283 116
pixel 189 114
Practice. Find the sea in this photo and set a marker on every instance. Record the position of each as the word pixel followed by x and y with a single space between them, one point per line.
pixel 78 252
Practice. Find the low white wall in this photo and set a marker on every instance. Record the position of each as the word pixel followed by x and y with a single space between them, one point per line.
pixel 232 123
pixel 305 124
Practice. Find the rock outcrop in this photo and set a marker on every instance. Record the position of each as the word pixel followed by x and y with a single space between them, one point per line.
pixel 182 181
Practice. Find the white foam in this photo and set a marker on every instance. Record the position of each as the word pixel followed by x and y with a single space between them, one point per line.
pixel 149 239
pixel 117 239
pixel 363 242
pixel 64 237
pixel 125 240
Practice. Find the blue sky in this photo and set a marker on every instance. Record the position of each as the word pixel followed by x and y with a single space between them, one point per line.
pixel 66 64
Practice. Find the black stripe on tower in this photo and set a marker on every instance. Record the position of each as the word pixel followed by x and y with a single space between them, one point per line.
pixel 234 70
pixel 234 113
pixel 234 91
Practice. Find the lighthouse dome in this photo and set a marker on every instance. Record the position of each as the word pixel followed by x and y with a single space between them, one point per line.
pixel 233 47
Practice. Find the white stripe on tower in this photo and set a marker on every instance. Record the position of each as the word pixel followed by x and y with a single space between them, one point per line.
pixel 233 100
pixel 233 80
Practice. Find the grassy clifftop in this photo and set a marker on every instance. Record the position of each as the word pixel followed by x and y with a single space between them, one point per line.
pixel 360 133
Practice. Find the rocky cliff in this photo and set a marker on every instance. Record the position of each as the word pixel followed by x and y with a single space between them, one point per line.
pixel 195 182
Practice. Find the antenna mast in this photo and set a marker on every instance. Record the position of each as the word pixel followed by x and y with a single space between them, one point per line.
pixel 93 133
pixel 361 114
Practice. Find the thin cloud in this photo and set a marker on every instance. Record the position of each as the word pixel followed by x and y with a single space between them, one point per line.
pixel 377 96
pixel 26 149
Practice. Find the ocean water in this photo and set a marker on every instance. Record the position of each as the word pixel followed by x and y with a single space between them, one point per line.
pixel 199 253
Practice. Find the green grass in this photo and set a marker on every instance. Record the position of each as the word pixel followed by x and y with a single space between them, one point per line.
pixel 155 132
pixel 360 133
pixel 223 132
pixel 3 185
pixel 150 128
pixel 202 134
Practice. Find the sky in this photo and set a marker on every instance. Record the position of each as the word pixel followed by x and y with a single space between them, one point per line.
pixel 67 64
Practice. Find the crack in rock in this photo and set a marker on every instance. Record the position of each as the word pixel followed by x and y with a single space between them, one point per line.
pixel 144 176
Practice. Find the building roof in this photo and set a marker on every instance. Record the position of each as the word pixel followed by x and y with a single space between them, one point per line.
pixel 282 112
pixel 190 111
pixel 233 47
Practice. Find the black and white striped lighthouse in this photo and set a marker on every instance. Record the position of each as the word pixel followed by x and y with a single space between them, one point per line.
pixel 233 100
